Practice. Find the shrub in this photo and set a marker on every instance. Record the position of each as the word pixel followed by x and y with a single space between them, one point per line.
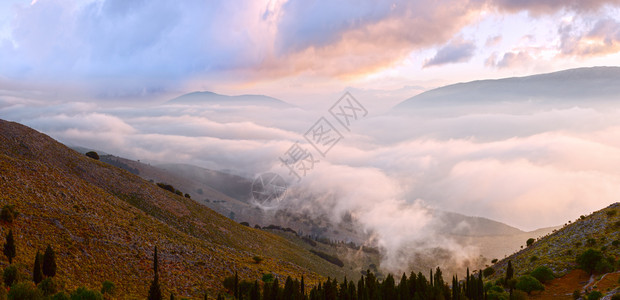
pixel 529 242
pixel 576 294
pixel 10 275
pixel 603 266
pixel 588 259
pixel 595 295
pixel 108 287
pixel 494 260
pixel 93 155
pixel 533 258
pixel 529 284
pixel 615 243
pixel 83 293
pixel 611 213
pixel 257 259
pixel 245 224
pixel 488 272
pixel 188 196
pixel 615 297
pixel 8 214
pixel 23 291
pixel 497 295
pixel 543 274
pixel 48 286
pixel 518 295
pixel 61 296
pixel 166 187
pixel 267 278
pixel 591 242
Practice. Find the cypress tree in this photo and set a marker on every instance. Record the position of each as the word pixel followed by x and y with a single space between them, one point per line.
pixel 509 274
pixel 509 271
pixel 49 262
pixel 302 286
pixel 236 287
pixel 431 278
pixel 255 291
pixel 155 290
pixel 37 273
pixel 403 287
pixel 9 246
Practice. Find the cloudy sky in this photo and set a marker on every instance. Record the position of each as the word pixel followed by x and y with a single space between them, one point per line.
pixel 292 49
pixel 97 74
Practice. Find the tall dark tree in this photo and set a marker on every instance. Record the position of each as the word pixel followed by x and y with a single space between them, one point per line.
pixel 403 287
pixel 302 286
pixel 9 247
pixel 49 262
pixel 37 273
pixel 255 291
pixel 509 275
pixel 155 290
pixel 236 286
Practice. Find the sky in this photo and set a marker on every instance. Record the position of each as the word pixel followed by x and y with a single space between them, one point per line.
pixel 98 73
pixel 295 50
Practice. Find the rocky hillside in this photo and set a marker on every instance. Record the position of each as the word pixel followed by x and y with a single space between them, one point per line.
pixel 558 251
pixel 104 223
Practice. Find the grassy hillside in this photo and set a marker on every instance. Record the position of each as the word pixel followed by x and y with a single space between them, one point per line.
pixel 104 223
pixel 558 251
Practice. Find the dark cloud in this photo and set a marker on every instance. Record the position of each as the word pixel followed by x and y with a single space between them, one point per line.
pixel 455 52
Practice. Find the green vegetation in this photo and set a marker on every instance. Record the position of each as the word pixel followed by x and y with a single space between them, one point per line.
pixel 9 247
pixel 330 258
pixel 530 241
pixel 10 276
pixel 155 290
pixel 543 274
pixel 108 288
pixel 37 273
pixel 488 272
pixel 589 259
pixel 529 284
pixel 93 155
pixel 49 262
pixel 595 295
pixel 8 214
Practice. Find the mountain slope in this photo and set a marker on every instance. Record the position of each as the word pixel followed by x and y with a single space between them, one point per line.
pixel 104 223
pixel 214 98
pixel 583 86
pixel 558 250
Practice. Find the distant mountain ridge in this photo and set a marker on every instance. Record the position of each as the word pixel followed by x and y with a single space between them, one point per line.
pixel 566 87
pixel 206 97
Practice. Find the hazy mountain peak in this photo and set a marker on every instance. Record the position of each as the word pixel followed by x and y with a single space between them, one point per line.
pixel 573 87
pixel 207 97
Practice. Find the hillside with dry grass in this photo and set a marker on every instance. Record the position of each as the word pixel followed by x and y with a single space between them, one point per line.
pixel 104 223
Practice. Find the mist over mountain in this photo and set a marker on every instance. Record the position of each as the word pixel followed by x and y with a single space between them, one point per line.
pixel 211 98
pixel 595 87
